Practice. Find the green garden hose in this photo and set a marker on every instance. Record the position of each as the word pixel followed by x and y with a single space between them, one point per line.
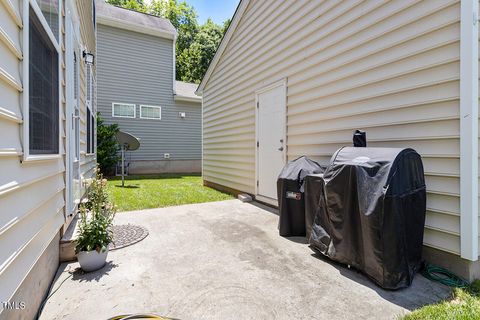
pixel 139 316
pixel 438 274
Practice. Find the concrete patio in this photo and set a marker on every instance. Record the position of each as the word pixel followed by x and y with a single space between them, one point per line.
pixel 225 260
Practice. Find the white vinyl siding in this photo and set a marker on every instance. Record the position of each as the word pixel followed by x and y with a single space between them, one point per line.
pixel 123 110
pixel 32 201
pixel 389 68
pixel 150 112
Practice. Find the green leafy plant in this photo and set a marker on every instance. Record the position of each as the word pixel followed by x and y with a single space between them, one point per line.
pixel 107 145
pixel 97 196
pixel 96 218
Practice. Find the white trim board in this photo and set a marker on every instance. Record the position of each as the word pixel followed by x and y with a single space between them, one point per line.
pixel 469 129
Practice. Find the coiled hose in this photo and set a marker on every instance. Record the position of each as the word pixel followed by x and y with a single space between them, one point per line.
pixel 139 316
pixel 438 274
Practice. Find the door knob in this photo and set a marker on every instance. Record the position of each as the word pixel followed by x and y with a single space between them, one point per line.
pixel 280 149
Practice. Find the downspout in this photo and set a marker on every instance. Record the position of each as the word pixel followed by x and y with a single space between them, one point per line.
pixel 469 129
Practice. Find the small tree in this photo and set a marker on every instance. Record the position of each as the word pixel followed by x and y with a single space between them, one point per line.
pixel 107 145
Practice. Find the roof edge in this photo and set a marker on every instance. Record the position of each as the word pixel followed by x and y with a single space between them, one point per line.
pixel 178 97
pixel 129 25
pixel 242 6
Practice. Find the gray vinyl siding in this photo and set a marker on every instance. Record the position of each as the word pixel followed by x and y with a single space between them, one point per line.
pixel 137 68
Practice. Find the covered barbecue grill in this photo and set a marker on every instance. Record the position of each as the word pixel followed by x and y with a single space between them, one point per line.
pixel 370 212
pixel 291 202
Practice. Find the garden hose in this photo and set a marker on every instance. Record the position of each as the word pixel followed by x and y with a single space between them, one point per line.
pixel 139 316
pixel 438 274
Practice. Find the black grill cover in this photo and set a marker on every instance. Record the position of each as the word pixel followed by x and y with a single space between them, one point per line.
pixel 313 184
pixel 291 202
pixel 371 213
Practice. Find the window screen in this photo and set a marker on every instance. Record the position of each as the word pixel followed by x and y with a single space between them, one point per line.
pixel 124 110
pixel 43 91
pixel 150 112
pixel 50 11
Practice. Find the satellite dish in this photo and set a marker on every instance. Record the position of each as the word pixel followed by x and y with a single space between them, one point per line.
pixel 127 142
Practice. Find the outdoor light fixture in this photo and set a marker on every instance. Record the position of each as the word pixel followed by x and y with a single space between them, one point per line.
pixel 89 57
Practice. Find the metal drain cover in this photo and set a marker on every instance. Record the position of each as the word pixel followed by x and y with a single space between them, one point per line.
pixel 127 234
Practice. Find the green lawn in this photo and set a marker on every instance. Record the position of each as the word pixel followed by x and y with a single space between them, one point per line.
pixel 463 305
pixel 145 192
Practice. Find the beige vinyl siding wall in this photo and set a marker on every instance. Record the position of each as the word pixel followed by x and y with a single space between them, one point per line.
pixel 32 193
pixel 390 68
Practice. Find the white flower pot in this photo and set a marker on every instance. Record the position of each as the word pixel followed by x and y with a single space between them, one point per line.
pixel 92 260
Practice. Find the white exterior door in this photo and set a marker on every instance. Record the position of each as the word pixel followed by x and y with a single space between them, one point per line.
pixel 72 75
pixel 271 135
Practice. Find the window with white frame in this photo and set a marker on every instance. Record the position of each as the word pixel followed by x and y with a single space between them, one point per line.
pixel 42 124
pixel 90 102
pixel 123 110
pixel 150 112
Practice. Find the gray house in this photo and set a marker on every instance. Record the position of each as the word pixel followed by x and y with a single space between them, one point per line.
pixel 137 90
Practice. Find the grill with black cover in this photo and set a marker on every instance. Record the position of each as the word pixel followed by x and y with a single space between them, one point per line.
pixel 291 202
pixel 370 212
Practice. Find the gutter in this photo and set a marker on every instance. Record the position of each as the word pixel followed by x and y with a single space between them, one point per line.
pixel 177 97
pixel 469 129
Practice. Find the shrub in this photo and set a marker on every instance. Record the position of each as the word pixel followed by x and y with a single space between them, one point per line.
pixel 107 146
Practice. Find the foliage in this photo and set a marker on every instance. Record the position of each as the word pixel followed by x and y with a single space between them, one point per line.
pixel 193 62
pixel 107 145
pixel 97 194
pixel 95 229
pixel 196 45
pixel 464 304
pixel 182 16
pixel 144 192
pixel 137 5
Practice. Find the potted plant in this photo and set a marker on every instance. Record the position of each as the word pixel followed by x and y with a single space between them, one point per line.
pixel 95 228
